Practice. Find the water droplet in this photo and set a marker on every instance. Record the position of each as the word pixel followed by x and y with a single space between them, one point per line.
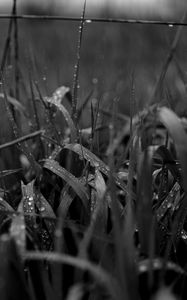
pixel 170 25
pixel 42 208
pixel 169 205
pixel 88 21
pixel 183 235
pixel 96 164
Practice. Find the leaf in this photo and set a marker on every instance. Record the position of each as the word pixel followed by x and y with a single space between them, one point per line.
pixel 99 214
pixel 55 100
pixel 15 103
pixel 168 160
pixel 6 212
pixel 99 274
pixel 28 203
pixel 60 93
pixel 144 204
pixel 66 198
pixel 73 181
pixel 18 229
pixel 46 212
pixel 96 162
pixel 179 136
pixel 4 206
pixel 169 202
pixel 11 271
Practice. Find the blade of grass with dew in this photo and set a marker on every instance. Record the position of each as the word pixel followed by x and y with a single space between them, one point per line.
pixel 48 118
pixel 55 100
pixel 169 203
pixel 169 162
pixel 18 229
pixel 98 273
pixel 24 148
pixel 46 212
pixel 77 66
pixel 99 211
pixel 94 161
pixel 66 198
pixel 28 203
pixel 69 178
pixel 16 51
pixel 34 199
pixel 173 124
pixel 21 140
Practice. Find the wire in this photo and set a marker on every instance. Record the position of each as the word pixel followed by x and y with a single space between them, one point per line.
pixel 90 20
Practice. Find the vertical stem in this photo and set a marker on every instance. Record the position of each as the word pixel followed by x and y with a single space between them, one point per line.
pixel 77 66
pixel 16 51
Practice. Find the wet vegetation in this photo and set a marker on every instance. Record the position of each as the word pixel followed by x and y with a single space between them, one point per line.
pixel 93 201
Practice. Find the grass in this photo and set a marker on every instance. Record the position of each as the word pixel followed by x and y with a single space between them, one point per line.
pixel 90 213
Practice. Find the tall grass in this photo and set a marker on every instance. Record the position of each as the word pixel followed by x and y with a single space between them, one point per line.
pixel 79 223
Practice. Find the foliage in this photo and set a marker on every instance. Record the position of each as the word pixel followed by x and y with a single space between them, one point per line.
pixel 87 214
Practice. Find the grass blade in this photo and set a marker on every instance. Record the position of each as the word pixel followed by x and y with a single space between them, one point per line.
pixel 74 182
pixel 94 161
pixel 179 136
pixel 77 66
pixel 97 272
pixel 18 229
pixel 56 100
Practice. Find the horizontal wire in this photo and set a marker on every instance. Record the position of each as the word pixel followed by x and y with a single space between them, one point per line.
pixel 89 20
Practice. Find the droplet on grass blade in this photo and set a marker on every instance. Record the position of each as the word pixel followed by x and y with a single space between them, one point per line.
pixel 88 21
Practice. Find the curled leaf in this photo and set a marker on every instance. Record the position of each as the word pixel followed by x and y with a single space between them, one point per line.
pixel 69 178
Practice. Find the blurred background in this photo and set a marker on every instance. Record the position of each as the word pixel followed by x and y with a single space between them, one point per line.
pixel 110 52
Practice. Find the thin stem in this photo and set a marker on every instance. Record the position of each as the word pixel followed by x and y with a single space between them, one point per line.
pixel 21 139
pixel 77 66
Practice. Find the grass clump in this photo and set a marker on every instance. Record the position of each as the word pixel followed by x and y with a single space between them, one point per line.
pixel 91 213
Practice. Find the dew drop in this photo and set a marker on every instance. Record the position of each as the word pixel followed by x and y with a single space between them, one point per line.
pixel 96 164
pixel 183 235
pixel 42 208
pixel 88 21
pixel 169 205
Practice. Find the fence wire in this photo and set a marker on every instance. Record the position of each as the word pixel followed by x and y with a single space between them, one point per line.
pixel 90 20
